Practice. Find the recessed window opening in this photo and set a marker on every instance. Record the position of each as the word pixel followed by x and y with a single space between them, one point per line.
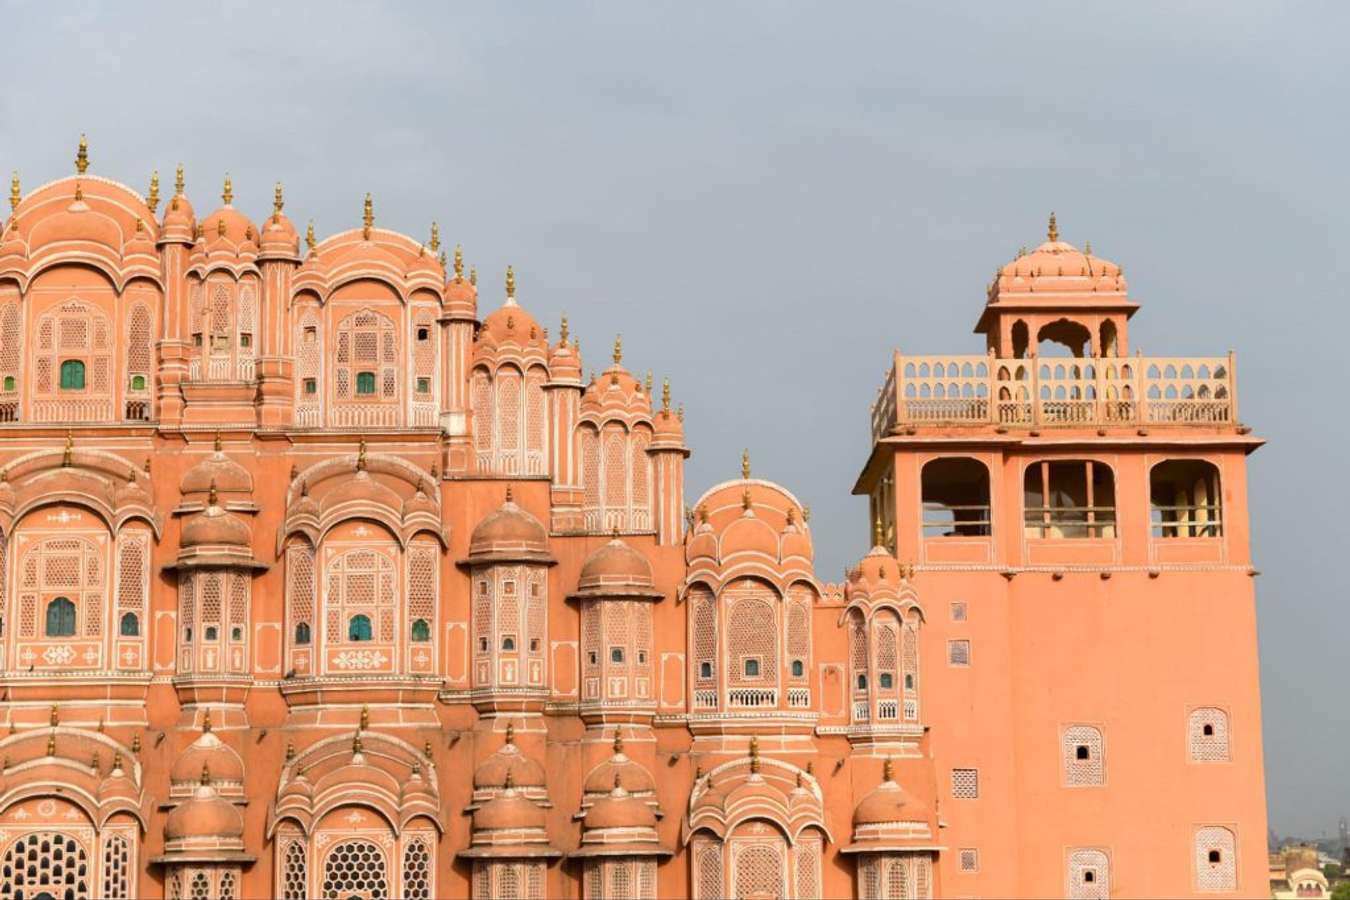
pixel 1063 338
pixel 752 668
pixel 1069 499
pixel 212 632
pixel 534 645
pixel 642 657
pixel 886 680
pixel 131 626
pixel 616 654
pixel 365 382
pixel 72 375
pixel 593 658
pixel 798 669
pixel 311 334
pixel 138 382
pixel 421 631
pixel 1185 500
pixel 482 645
pixel 423 333
pixel 956 498
pixel 705 670
pixel 1089 876
pixel 862 682
pixel 1208 730
pixel 11 384
pixel 236 633
pixel 1215 857
pixel 509 642
pixel 1082 752
pixel 302 633
pixel 311 386
pixel 358 628
pixel 424 385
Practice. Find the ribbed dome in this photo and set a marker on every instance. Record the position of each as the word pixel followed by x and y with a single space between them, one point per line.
pixel 118 786
pixel 1057 267
pixel 509 810
pixel 77 222
pixel 616 569
pixel 887 803
pixel 511 324
pixel 508 765
pixel 210 751
pixel 420 503
pixel 618 809
pixel 667 428
pixel 564 363
pixel 206 815
pixel 237 226
pixel 361 488
pixel 631 776
pixel 509 530
pixel 228 475
pixel 214 526
pixel 279 237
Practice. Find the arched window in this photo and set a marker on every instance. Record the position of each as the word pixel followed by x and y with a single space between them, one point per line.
pixel 955 498
pixel 798 670
pixel 358 628
pixel 72 375
pixel 61 618
pixel 10 384
pixel 752 668
pixel 421 631
pixel 1185 499
pixel 302 632
pixel 365 382
pixel 131 625
pixel 1069 499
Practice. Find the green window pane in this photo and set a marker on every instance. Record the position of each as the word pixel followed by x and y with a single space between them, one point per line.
pixel 60 618
pixel 72 375
pixel 365 382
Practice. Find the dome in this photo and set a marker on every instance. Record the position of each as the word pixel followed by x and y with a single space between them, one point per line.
pixel 78 222
pixel 511 324
pixel 887 804
pixel 179 219
pixel 619 809
pixel 564 362
pixel 508 766
pixel 206 815
pixel 616 569
pixel 214 526
pixel 363 489
pixel 510 531
pixel 11 241
pixel 118 786
pixel 140 242
pixel 795 540
pixel 417 787
pixel 279 237
pixel 298 787
pixel 1057 267
pixel 667 429
pixel 621 771
pixel 211 752
pixel 229 477
pixel 130 492
pixel 227 222
pixel 509 811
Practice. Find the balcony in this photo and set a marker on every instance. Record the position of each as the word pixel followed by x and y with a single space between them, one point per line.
pixel 1055 392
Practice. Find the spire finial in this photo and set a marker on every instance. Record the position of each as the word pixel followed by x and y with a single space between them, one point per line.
pixel 82 156
pixel 876 531
pixel 647 384
pixel 227 191
pixel 435 242
pixel 361 456
pixel 1087 248
pixel 356 743
pixel 218 445
pixel 367 218
pixel 278 202
pixel 51 745
pixel 365 718
pixel 459 263
pixel 665 395
pixel 510 283
pixel 212 495
pixel 310 243
pixel 510 498
pixel 206 720
pixel 53 717
pixel 79 191
pixel 290 751
pixel 206 773
pixel 68 454
pixel 510 733
pixel 618 349
pixel 563 331
pixel 679 413
pixel 220 227
pixel 745 464
pixel 178 182
pixel 754 754
pixel 445 263
pixel 473 275
pixel 1053 231
pixel 14 194
pixel 510 783
pixel 887 773
pixel 618 742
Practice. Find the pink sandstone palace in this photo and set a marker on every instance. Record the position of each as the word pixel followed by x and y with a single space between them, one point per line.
pixel 321 579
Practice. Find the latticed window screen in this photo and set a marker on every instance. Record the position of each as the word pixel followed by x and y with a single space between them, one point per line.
pixel 590 469
pixel 355 868
pixel 417 869
pixel 1089 875
pixel 226 891
pixel 896 876
pixel 81 338
pixel 707 861
pixel 969 860
pixel 704 637
pixel 752 632
pixel 45 862
pixel 965 784
pixel 133 558
pixel 641 470
pixel 1215 859
pixel 422 583
pixel 535 416
pixel 958 653
pixel 1083 753
pixel 807 874
pixel 857 646
pixel 508 409
pixel 799 626
pixel 758 869
pixel 11 346
pixel 481 396
pixel 308 357
pixel 300 588
pixel 360 337
pixel 292 866
pixel 117 873
pixel 615 463
pixel 1207 735
pixel 63 567
pixel 959 611
pixel 140 354
pixel 359 583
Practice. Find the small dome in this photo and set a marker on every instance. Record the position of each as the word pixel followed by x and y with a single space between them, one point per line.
pixel 78 222
pixel 509 530
pixel 886 804
pixel 1057 267
pixel 213 527
pixel 11 242
pixel 279 237
pixel 118 786
pixel 129 492
pixel 508 765
pixel 140 242
pixel 229 477
pixel 417 787
pixel 230 224
pixel 510 810
pixel 299 788
pixel 667 428
pixel 179 218
pixel 616 569
pixel 511 324
pixel 209 751
pixel 619 809
pixel 618 769
pixel 206 815
pixel 361 488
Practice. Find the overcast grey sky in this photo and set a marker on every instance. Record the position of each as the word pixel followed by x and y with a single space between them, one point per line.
pixel 766 198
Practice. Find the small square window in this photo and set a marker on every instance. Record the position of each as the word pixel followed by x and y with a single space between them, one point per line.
pixel 642 657
pixel 909 681
pixel 482 645
pixel 1208 730
pixel 212 632
pixel 593 657
pixel 535 587
pixel 508 642
pixel 482 588
pixel 365 382
pixel 311 386
pixel 1215 857
pixel 1089 876
pixel 616 654
pixel 752 668
pixel 1082 752
pixel 423 333
pixel 970 860
pixel 236 633
pixel 965 784
pixel 798 668
pixel 424 385
pixel 137 382
pixel 508 587
pixel 196 340
pixel 886 680
pixel 705 670
pixel 220 342
pixel 959 611
pixel 534 645
pixel 245 340
pixel 958 653
pixel 862 681
pixel 311 334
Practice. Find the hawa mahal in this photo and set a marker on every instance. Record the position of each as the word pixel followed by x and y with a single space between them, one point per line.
pixel 324 576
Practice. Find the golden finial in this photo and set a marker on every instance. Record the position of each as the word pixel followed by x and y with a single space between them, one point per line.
pixel 152 198
pixel 361 456
pixel 206 773
pixel 679 413
pixel 426 749
pixel 51 745
pixel 53 717
pixel 745 464
pixel 510 498
pixel 201 231
pixel 754 754
pixel 365 718
pixel 220 227
pixel 1087 248
pixel 227 191
pixel 290 751
pixel 618 742
pixel 806 514
pixel 445 263
pixel 665 395
pixel 218 445
pixel 212 495
pixel 178 182
pixel 206 721
pixel 136 743
pixel 14 195
pixel 310 243
pixel 745 498
pixel 510 283
pixel 1053 231
pixel 887 774
pixel 356 743
pixel 140 225
pixel 647 384
pixel 509 783
pixel 79 191
pixel 278 202
pixel 117 761
pixel 473 275
pixel 703 514
pixel 459 262
pixel 66 457
pixel 876 531
pixel 510 733
pixel 810 768
pixel 792 515
pixel 82 156
pixel 618 349
pixel 435 242
pixel 563 331
pixel 367 218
